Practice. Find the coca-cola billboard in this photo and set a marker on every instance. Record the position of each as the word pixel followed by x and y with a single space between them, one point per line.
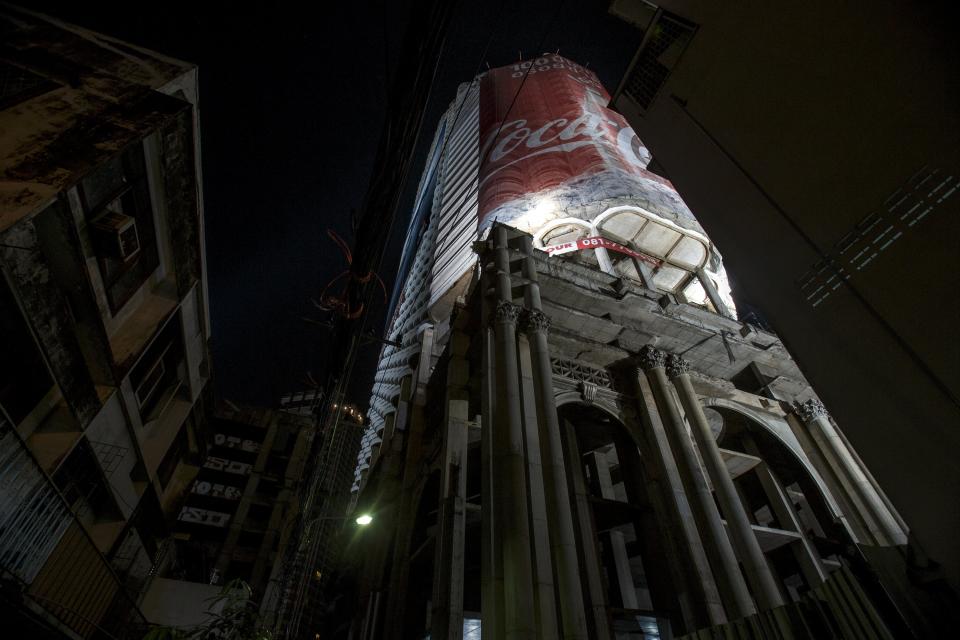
pixel 553 131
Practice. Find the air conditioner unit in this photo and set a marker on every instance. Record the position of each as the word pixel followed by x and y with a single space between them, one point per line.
pixel 115 235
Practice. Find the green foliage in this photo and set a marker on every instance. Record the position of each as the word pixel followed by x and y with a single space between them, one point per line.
pixel 232 616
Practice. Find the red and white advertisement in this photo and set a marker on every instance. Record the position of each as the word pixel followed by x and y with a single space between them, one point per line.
pixel 598 243
pixel 554 130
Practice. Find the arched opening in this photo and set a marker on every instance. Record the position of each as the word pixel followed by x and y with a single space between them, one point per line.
pixel 798 533
pixel 616 518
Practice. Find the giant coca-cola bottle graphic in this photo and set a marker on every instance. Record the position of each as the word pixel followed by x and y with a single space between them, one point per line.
pixel 544 125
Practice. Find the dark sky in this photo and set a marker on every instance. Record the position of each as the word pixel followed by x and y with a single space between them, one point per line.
pixel 291 105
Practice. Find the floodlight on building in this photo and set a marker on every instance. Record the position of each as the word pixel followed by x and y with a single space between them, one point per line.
pixel 364 519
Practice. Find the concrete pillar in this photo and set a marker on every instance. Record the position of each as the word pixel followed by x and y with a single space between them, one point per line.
pixel 726 569
pixel 643 270
pixel 621 563
pixel 404 427
pixel 563 544
pixel 698 595
pixel 713 294
pixel 803 550
pixel 540 525
pixel 603 258
pixel 491 553
pixel 447 596
pixel 878 516
pixel 765 588
pixel 509 466
pixel 589 544
pixel 615 540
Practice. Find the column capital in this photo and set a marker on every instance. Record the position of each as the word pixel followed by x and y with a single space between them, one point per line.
pixel 810 410
pixel 677 366
pixel 533 320
pixel 651 358
pixel 507 312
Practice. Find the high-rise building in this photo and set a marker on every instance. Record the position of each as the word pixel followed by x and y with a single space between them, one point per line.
pixel 576 437
pixel 104 364
pixel 296 606
pixel 819 146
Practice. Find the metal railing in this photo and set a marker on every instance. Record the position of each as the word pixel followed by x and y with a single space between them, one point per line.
pixel 46 550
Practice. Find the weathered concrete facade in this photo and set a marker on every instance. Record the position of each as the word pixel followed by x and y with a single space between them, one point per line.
pixel 105 320
pixel 573 443
pixel 557 485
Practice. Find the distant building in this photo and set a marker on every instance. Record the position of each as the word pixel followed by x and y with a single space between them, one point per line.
pixel 302 403
pixel 298 601
pixel 239 514
pixel 819 145
pixel 104 363
pixel 576 436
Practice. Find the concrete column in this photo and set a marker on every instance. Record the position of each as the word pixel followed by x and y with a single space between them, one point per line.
pixel 563 544
pixel 491 556
pixel 713 294
pixel 765 588
pixel 726 569
pixel 878 516
pixel 698 595
pixel 447 596
pixel 615 540
pixel 621 562
pixel 547 614
pixel 603 258
pixel 509 466
pixel 643 270
pixel 589 545
pixel 401 448
pixel 803 550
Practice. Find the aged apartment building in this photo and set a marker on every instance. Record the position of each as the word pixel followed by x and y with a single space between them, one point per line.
pixel 577 437
pixel 104 364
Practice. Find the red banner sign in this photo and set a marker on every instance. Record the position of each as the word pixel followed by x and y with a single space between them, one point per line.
pixel 545 123
pixel 597 242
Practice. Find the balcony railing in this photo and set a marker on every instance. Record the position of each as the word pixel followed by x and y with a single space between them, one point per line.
pixel 46 550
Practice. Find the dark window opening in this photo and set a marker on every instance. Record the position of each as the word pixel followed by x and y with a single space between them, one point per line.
pixel 172 458
pixel 238 571
pixel 24 378
pixel 250 539
pixel 159 374
pixel 258 517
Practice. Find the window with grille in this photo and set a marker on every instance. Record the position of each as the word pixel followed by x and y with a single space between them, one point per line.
pixel 661 50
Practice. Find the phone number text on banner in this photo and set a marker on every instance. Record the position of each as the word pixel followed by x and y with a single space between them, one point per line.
pixel 599 243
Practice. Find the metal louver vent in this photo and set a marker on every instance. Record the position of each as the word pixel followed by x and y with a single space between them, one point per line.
pixel 665 42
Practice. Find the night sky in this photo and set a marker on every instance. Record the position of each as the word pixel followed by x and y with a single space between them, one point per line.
pixel 291 105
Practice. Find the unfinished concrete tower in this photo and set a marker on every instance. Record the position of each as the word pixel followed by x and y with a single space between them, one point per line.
pixel 577 437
